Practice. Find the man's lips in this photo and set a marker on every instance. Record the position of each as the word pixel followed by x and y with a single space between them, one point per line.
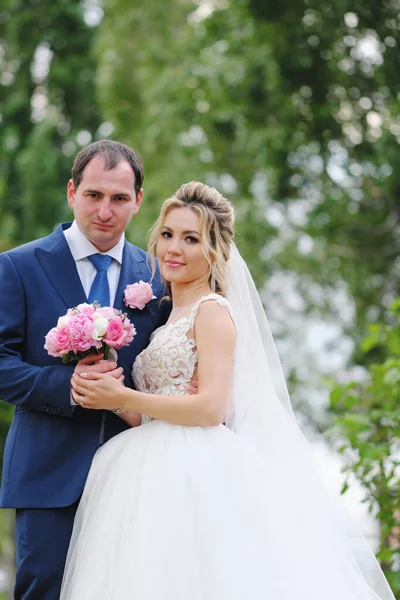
pixel 174 264
pixel 103 226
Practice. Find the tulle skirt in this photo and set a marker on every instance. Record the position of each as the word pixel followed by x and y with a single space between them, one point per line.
pixel 191 513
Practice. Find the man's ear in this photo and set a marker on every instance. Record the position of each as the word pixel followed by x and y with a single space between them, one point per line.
pixel 71 193
pixel 138 201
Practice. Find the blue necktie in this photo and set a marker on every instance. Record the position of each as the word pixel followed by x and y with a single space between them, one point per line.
pixel 100 290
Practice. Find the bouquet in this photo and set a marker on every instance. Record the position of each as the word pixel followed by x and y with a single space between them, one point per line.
pixel 89 329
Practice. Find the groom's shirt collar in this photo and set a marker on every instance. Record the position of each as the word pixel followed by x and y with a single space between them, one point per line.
pixel 81 247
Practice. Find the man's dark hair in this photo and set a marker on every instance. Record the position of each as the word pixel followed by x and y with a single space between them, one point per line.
pixel 113 153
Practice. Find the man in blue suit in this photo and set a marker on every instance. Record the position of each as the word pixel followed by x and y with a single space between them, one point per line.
pixel 51 441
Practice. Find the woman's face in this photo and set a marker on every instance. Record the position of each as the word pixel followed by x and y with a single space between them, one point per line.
pixel 179 248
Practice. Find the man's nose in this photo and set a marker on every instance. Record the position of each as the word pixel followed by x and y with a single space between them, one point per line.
pixel 105 211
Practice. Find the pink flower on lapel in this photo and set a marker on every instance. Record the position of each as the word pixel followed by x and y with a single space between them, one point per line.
pixel 137 295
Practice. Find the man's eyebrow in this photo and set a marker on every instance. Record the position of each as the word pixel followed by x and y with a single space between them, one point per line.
pixel 93 191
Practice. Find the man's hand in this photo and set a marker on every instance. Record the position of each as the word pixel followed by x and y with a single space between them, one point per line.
pixel 94 363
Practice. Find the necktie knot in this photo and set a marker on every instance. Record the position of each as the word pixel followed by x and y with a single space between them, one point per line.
pixel 101 262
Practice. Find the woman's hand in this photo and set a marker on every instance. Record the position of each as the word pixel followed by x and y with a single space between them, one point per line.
pixel 97 391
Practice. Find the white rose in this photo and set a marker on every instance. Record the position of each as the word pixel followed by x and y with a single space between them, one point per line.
pixel 63 321
pixel 100 327
pixel 82 306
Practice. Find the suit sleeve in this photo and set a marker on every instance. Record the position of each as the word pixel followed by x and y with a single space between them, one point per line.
pixel 42 388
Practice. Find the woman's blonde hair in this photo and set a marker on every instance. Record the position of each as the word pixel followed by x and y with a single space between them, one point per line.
pixel 216 227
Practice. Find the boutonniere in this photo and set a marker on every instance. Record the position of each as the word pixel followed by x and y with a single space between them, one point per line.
pixel 137 295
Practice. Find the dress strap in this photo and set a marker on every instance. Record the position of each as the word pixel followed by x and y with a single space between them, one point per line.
pixel 217 298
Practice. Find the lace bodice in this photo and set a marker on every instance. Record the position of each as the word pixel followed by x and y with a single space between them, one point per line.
pixel 167 365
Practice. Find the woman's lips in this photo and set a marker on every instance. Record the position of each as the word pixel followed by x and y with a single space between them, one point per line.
pixel 173 264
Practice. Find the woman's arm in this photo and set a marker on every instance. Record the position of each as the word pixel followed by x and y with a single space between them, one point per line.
pixel 215 336
pixel 131 418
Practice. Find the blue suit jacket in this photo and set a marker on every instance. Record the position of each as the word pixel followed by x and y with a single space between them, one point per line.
pixel 50 444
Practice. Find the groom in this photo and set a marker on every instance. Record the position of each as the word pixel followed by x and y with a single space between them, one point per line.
pixel 51 441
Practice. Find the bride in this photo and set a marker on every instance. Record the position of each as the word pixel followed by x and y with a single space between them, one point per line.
pixel 215 496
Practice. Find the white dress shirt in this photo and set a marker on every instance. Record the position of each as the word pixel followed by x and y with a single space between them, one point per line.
pixel 81 248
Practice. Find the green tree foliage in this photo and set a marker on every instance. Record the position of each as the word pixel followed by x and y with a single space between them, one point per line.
pixel 368 420
pixel 165 90
pixel 47 104
pixel 288 104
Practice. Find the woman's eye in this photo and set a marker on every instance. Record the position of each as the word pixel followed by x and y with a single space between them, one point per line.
pixel 191 239
pixel 166 234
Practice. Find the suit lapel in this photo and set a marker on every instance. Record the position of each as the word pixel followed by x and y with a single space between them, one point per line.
pixel 132 270
pixel 56 259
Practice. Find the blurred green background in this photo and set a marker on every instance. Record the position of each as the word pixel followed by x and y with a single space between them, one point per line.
pixel 288 107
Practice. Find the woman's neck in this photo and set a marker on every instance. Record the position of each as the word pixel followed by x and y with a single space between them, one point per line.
pixel 187 294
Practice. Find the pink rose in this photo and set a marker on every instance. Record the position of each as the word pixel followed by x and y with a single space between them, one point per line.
pixel 130 331
pixel 63 339
pixel 81 331
pixel 137 295
pixel 85 309
pixel 51 343
pixel 115 334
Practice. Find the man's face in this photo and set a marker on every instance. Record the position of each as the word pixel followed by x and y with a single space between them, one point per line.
pixel 104 202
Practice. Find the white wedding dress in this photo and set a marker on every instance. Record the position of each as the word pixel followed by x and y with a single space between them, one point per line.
pixel 194 513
